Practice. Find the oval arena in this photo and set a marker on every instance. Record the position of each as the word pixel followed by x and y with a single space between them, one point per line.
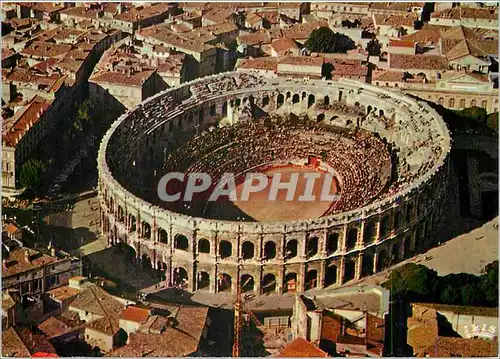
pixel 389 154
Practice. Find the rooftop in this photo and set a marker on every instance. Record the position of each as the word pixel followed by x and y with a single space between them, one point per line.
pixel 135 314
pixel 17 261
pixel 284 44
pixel 12 345
pixel 301 348
pixel 96 300
pixel 122 79
pixel 423 62
pixel 181 338
pixel 396 20
pixel 301 61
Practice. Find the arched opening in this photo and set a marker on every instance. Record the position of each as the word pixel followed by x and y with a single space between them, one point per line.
pixel 383 260
pixel 237 102
pixel 121 216
pixel 473 103
pixel 203 280
pixel 161 267
pixel 290 285
pixel 311 279
pixel 225 249
pixel 384 226
pixel 200 116
pixel 146 230
pixel 369 109
pixel 381 113
pixel 203 246
pixel 270 250
pixel 312 247
pixel 369 232
pixel 395 253
pixel 162 236
pixel 409 213
pixel 269 283
pixel 224 282
pixel 311 100
pixel 224 108
pixel 213 111
pixel 265 101
pixel 291 249
pixel 304 95
pixel 331 275
pixel 247 250
pixel 356 104
pixel 180 277
pixel 367 264
pixel 320 117
pixel 326 101
pixel 451 102
pixel 295 99
pixel 280 100
pixel 146 262
pixel 441 101
pixel 333 243
pixel 484 104
pixel 407 247
pixel 247 283
pixel 462 103
pixel 398 220
pixel 181 242
pixel 288 95
pixel 352 238
pixel 349 270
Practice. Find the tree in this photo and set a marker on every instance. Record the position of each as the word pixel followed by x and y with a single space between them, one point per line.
pixel 326 41
pixel 83 117
pixel 31 174
pixel 373 47
pixel 413 281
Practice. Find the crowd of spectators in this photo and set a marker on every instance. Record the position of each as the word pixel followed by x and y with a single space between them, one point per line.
pixel 360 160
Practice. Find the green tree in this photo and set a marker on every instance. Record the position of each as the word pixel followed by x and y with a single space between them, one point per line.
pixel 83 116
pixel 31 174
pixel 327 41
pixel 492 121
pixel 413 281
pixel 373 47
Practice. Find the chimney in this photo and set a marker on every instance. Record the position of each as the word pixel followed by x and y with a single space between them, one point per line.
pixel 53 252
pixel 27 256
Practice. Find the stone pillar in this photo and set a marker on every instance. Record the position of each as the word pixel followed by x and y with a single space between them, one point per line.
pixel 322 245
pixel 213 281
pixel 191 278
pixel 258 281
pixel 343 239
pixel 361 234
pixel 340 271
pixel 378 232
pixel 279 280
pixel 301 278
pixel 375 262
pixel 358 265
pixel 321 276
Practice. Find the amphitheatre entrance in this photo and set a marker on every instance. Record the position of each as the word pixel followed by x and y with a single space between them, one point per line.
pixel 259 207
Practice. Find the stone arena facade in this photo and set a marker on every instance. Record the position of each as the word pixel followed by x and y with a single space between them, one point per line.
pixel 274 257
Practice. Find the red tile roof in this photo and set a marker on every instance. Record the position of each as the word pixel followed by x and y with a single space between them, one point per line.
pixel 401 43
pixel 419 62
pixel 301 348
pixel 27 117
pixel 135 314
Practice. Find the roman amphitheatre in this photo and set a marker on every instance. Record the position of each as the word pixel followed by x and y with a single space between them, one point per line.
pixel 387 153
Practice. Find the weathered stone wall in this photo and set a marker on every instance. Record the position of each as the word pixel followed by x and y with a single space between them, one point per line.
pixel 331 250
